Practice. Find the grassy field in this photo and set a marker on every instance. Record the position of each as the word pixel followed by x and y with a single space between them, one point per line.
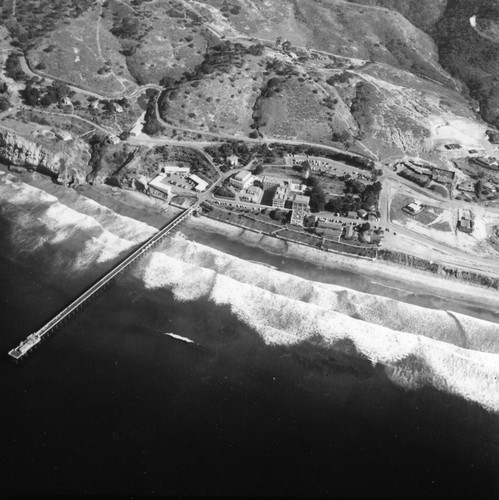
pixel 220 98
pixel 83 51
pixel 297 111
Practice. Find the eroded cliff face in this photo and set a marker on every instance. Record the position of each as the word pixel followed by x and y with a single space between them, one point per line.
pixel 67 163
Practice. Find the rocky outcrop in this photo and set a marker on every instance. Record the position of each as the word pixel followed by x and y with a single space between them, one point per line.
pixel 67 163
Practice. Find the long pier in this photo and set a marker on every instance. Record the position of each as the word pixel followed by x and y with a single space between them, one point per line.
pixel 35 338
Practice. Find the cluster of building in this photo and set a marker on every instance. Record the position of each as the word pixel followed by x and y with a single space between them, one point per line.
pixel 485 162
pixel 164 186
pixel 286 195
pixel 423 173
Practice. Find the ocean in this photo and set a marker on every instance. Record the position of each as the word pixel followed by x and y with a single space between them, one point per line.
pixel 300 380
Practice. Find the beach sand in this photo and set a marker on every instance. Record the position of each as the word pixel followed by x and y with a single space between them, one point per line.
pixel 422 281
pixel 157 213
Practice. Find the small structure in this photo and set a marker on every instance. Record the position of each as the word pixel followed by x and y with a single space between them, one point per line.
pixel 362 213
pixel 242 180
pixel 200 184
pixel 63 135
pixel 66 101
pixel 174 169
pixel 413 208
pixel 352 215
pixel 137 128
pixel 233 160
pixel 117 107
pixel 485 162
pixel 94 104
pixel 112 139
pixel 306 170
pixel 452 146
pixel 468 186
pixel 465 220
pixel 348 232
pixel 442 176
pixel 252 194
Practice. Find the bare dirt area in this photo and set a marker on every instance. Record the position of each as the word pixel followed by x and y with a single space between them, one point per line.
pixel 430 217
pixel 439 223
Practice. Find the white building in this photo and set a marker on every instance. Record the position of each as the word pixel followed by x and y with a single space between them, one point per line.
pixel 201 184
pixel 252 194
pixel 64 135
pixel 233 160
pixel 139 124
pixel 161 185
pixel 242 180
pixel 174 169
pixel 113 139
pixel 414 208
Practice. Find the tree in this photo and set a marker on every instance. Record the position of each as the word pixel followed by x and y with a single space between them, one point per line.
pixel 4 103
pixel 317 199
pixel 257 170
pixel 276 214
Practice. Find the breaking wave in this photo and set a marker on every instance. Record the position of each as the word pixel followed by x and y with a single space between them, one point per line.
pixel 98 234
pixel 453 352
pixel 459 353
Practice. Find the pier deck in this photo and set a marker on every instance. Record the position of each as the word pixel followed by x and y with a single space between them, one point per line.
pixel 35 338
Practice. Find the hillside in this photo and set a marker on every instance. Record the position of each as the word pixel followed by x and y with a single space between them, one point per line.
pixel 364 75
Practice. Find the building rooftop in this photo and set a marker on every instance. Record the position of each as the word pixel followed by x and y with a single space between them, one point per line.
pixel 242 175
pixel 300 198
pixel 201 184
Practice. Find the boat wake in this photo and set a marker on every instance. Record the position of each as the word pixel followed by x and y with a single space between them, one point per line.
pixel 179 337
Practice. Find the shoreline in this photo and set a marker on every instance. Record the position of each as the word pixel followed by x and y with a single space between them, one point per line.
pixel 155 213
pixel 421 281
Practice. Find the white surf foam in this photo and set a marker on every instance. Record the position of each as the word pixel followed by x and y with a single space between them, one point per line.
pixel 41 219
pixel 288 310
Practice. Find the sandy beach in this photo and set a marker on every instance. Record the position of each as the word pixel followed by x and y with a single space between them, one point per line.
pixel 419 280
pixel 157 213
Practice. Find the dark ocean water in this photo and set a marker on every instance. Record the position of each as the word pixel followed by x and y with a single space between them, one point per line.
pixel 109 404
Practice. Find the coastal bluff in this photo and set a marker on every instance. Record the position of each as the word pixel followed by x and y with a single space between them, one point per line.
pixel 66 162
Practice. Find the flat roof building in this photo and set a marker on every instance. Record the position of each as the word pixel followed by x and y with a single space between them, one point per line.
pixel 300 205
pixel 252 194
pixel 174 169
pixel 242 180
pixel 280 197
pixel 413 208
pixel 201 184
pixel 159 183
pixel 300 202
pixel 64 135
pixel 270 182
